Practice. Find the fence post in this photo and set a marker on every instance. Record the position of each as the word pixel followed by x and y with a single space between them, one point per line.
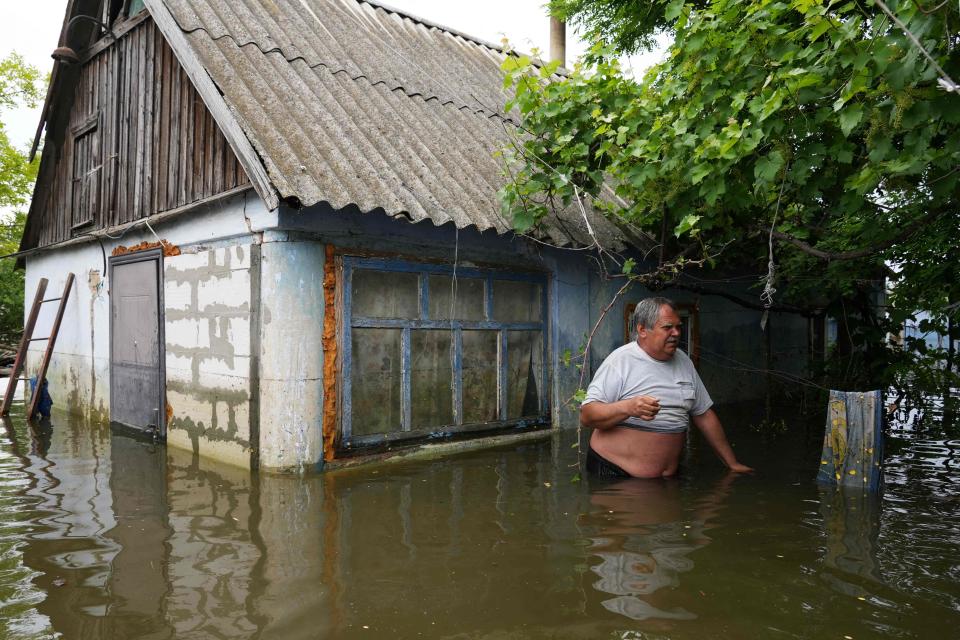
pixel 853 440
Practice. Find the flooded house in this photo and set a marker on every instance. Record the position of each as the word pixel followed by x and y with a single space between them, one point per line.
pixel 289 250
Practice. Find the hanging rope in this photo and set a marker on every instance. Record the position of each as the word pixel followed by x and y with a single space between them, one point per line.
pixel 768 289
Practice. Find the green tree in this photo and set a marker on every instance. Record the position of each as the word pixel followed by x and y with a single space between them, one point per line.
pixel 816 137
pixel 20 84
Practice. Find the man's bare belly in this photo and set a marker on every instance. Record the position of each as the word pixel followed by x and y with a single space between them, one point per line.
pixel 642 454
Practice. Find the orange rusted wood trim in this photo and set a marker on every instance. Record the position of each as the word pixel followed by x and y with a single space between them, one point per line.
pixel 168 249
pixel 329 354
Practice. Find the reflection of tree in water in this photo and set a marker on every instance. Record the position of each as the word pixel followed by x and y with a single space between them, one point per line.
pixel 646 537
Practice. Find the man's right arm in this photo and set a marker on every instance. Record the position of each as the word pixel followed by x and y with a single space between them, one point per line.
pixel 604 415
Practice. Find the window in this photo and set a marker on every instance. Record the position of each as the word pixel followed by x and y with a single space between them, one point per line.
pixel 429 352
pixel 135 7
pixel 85 188
pixel 689 336
pixel 111 11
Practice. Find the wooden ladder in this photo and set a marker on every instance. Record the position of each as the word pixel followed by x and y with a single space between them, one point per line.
pixel 25 341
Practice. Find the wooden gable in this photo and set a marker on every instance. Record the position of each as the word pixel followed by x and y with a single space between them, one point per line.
pixel 128 136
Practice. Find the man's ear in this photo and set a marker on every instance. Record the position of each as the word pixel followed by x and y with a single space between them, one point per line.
pixel 641 329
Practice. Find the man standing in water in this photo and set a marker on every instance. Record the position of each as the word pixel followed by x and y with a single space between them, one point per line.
pixel 642 399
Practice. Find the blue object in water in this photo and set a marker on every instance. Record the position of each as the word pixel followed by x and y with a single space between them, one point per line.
pixel 853 440
pixel 45 404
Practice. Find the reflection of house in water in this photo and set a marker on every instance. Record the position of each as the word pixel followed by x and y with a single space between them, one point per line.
pixel 140 543
pixel 644 547
pixel 151 542
pixel 285 222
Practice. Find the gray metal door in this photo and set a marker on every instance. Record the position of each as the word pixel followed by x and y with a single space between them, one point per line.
pixel 136 342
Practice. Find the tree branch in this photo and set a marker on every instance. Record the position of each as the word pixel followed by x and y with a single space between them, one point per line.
pixel 856 253
pixel 779 308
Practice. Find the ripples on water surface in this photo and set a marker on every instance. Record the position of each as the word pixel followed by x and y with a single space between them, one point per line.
pixel 104 536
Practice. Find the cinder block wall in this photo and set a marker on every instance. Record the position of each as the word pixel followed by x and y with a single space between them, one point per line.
pixel 210 304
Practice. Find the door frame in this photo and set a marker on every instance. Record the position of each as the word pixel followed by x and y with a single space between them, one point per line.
pixel 156 256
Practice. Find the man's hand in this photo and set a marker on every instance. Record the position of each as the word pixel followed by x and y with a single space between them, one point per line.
pixel 709 425
pixel 603 415
pixel 643 407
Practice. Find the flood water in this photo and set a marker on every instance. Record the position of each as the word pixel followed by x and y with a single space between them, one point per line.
pixel 105 536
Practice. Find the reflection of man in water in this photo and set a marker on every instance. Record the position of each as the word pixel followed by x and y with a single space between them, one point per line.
pixel 647 545
pixel 642 398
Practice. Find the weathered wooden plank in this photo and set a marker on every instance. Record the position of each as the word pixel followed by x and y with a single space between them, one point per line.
pixel 158 146
pixel 199 134
pixel 140 198
pixel 111 120
pixel 163 121
pixel 150 120
pixel 123 132
pixel 186 143
pixel 211 133
pixel 215 103
pixel 173 166
pixel 157 125
pixel 186 97
pixel 217 165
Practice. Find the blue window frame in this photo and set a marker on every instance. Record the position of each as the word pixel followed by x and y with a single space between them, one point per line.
pixel 429 351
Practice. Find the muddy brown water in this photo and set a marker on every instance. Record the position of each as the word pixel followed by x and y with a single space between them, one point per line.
pixel 106 536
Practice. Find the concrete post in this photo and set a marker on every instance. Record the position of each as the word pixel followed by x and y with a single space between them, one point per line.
pixel 558 41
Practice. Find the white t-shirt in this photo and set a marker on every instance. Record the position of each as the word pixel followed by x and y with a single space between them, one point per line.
pixel 629 371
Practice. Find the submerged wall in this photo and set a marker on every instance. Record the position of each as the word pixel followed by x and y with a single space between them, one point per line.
pixel 209 325
pixel 291 355
pixel 79 372
pixel 244 319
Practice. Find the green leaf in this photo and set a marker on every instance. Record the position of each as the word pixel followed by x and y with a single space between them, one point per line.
pixel 766 168
pixel 580 396
pixel 699 172
pixel 628 266
pixel 688 222
pixel 850 117
pixel 820 27
pixel 673 10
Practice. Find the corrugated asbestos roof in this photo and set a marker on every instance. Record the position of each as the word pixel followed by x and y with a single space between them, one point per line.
pixel 347 102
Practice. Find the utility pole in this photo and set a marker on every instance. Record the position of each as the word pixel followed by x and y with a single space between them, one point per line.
pixel 558 41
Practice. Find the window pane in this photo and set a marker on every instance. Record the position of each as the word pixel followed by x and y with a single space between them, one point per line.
pixel 375 381
pixel 385 294
pixel 524 372
pixel 466 293
pixel 431 379
pixel 479 376
pixel 516 301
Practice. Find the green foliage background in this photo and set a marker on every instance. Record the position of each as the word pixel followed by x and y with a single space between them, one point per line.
pixel 20 84
pixel 817 125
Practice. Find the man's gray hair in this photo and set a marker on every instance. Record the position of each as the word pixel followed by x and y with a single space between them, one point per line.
pixel 647 311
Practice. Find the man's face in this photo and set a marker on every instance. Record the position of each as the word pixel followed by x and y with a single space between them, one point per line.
pixel 661 341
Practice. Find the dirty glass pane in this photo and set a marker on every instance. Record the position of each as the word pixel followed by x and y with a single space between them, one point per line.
pixel 375 381
pixel 431 379
pixel 385 294
pixel 516 301
pixel 479 376
pixel 466 293
pixel 524 373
